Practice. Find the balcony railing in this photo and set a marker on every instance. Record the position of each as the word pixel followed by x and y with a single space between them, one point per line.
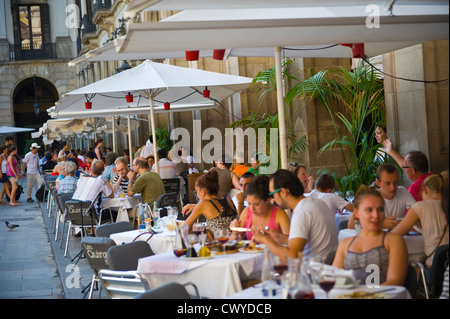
pixel 20 52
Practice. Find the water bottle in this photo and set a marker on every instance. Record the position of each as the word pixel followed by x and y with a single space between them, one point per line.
pixel 141 218
pixel 267 282
pixel 155 216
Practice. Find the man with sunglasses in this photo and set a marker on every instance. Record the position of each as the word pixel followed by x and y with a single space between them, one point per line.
pixel 313 230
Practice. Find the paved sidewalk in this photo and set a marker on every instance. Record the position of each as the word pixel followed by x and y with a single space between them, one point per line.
pixel 32 264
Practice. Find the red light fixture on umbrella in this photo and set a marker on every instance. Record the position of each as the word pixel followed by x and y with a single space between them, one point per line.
pixel 129 97
pixel 167 106
pixel 192 55
pixel 206 92
pixel 357 49
pixel 88 105
pixel 218 54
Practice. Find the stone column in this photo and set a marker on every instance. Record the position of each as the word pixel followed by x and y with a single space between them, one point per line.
pixel 417 112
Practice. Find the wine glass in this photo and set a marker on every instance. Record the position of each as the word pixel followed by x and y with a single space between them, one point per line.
pixel 350 195
pixel 222 236
pixel 173 213
pixel 326 281
pixel 280 266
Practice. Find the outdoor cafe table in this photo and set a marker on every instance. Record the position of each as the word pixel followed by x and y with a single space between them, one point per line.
pixel 414 243
pixel 216 277
pixel 159 242
pixel 126 202
pixel 255 292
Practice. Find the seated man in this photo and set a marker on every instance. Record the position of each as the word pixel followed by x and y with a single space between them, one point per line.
pixel 148 184
pixel 69 183
pixel 100 186
pixel 239 200
pixel 312 230
pixel 166 167
pixel 397 199
pixel 120 180
pixel 414 164
pixel 324 190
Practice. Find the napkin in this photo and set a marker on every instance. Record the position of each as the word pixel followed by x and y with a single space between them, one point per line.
pixel 166 263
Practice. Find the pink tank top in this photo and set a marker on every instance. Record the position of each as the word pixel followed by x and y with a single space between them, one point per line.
pixel 272 221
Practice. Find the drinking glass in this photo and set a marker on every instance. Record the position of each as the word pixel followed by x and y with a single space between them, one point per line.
pixel 173 213
pixel 223 236
pixel 350 195
pixel 280 266
pixel 327 280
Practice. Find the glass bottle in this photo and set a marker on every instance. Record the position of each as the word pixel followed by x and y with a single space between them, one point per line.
pixel 267 280
pixel 204 251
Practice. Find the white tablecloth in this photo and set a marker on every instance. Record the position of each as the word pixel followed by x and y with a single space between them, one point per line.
pixel 255 292
pixel 127 202
pixel 216 277
pixel 160 243
pixel 415 244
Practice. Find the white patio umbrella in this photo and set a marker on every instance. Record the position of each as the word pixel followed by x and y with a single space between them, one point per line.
pixel 167 83
pixel 312 24
pixel 12 129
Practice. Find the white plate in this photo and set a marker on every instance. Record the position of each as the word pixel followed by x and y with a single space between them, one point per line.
pixel 242 250
pixel 240 229
pixel 194 258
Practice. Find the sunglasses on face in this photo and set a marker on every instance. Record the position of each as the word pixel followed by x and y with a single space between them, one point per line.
pixel 274 192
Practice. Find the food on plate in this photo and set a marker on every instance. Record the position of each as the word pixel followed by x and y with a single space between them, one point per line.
pixel 363 295
pixel 253 247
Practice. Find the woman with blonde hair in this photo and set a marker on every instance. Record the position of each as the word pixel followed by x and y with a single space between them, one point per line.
pixel 430 215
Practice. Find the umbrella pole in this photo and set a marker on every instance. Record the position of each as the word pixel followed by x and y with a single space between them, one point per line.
pixel 113 127
pixel 152 120
pixel 130 146
pixel 281 111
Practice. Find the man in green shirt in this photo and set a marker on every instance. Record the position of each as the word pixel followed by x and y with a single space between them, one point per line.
pixel 148 184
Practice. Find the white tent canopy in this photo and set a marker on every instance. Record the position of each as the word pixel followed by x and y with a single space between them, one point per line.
pixel 136 6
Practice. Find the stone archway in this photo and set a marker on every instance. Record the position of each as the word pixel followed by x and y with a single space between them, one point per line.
pixel 24 97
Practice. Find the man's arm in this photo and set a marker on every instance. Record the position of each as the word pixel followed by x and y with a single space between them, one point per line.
pixel 389 148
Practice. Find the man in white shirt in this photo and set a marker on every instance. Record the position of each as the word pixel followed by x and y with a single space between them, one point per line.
pixel 31 163
pixel 324 188
pixel 397 199
pixel 239 199
pixel 313 230
pixel 147 150
pixel 166 167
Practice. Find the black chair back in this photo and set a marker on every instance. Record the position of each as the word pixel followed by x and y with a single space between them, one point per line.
pixel 107 229
pixel 76 212
pixel 172 185
pixel 440 263
pixel 168 199
pixel 125 257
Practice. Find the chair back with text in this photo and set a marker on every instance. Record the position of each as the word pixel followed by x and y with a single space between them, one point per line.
pixel 168 199
pixel 95 250
pixel 125 257
pixel 78 214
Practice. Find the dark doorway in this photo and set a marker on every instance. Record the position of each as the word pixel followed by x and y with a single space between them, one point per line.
pixel 27 93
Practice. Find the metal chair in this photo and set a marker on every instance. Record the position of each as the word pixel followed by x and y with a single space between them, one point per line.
pixel 82 214
pixel 60 200
pixel 171 290
pixel 125 257
pixel 173 185
pixel 106 230
pixel 432 278
pixel 95 249
pixel 50 186
pixel 168 199
pixel 122 284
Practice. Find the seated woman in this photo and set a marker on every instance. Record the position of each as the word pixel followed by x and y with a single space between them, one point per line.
pixel 219 212
pixel 430 215
pixel 373 246
pixel 260 212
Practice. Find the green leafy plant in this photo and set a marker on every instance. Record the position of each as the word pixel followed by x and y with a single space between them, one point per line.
pixel 361 93
pixel 163 139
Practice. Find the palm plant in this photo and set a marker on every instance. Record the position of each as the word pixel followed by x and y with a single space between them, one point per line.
pixel 361 93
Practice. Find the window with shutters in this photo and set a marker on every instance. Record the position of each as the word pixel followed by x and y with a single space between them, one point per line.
pixel 31 32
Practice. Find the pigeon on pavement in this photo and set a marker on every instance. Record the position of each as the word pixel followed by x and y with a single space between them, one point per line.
pixel 11 226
